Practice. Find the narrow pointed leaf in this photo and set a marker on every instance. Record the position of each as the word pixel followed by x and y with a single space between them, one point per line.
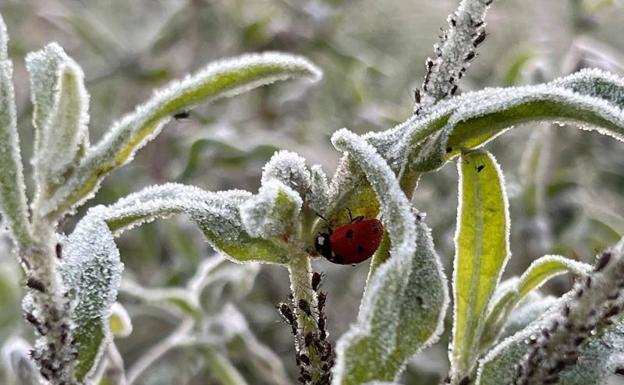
pixel 405 299
pixel 540 271
pixel 12 188
pixel 481 252
pixel 92 269
pixel 216 215
pixel 220 79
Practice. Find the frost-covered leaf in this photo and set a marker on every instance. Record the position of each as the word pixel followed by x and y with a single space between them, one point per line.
pixel 273 212
pixel 577 341
pixel 318 196
pixel 406 297
pixel 12 189
pixel 220 79
pixel 540 271
pixel 591 99
pixel 216 214
pixel 288 168
pixel 222 367
pixel 481 252
pixel 60 114
pixel 120 323
pixel 527 311
pixel 91 270
pixel 16 356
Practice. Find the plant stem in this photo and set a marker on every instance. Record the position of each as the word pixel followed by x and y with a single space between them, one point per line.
pixel 455 51
pixel 300 271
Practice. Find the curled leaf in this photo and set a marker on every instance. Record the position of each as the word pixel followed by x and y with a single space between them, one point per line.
pixel 60 114
pixel 215 213
pixel 406 298
pixel 273 212
pixel 220 79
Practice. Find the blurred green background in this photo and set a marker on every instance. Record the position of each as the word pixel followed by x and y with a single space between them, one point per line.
pixel 565 186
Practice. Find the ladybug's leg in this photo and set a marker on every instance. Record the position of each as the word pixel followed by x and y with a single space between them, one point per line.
pixel 356 219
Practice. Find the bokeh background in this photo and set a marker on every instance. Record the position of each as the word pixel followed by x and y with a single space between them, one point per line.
pixel 565 185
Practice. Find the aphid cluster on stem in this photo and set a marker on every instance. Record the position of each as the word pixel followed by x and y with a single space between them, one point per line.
pixel 313 352
pixel 594 303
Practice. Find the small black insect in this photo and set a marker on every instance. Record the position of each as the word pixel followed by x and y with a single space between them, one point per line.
pixel 59 250
pixel 305 307
pixel 316 280
pixel 417 95
pixel 182 115
pixel 454 89
pixel 479 39
pixel 471 55
pixel 35 284
pixel 604 260
pixel 465 381
pixel 480 168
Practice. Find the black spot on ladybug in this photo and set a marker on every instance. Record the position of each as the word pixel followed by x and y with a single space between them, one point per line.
pixel 360 249
pixel 480 168
pixel 349 234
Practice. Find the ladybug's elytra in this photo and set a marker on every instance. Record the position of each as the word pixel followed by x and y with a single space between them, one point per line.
pixel 352 243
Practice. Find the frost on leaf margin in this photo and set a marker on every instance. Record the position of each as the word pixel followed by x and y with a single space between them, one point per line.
pixel 400 313
pixel 215 213
pixel 481 253
pixel 60 114
pixel 91 271
pixel 273 212
pixel 224 78
pixel 585 323
pixel 12 188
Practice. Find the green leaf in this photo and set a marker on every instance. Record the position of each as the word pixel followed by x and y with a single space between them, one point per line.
pixel 481 252
pixel 220 79
pixel 216 215
pixel 406 298
pixel 540 271
pixel 12 188
pixel 60 114
pixel 91 270
pixel 591 99
pixel 586 322
pixel 222 368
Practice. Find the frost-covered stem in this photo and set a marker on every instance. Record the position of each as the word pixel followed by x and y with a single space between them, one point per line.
pixel 49 310
pixel 159 350
pixel 300 271
pixel 595 302
pixel 454 52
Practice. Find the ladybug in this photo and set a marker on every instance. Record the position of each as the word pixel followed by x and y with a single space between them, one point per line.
pixel 352 243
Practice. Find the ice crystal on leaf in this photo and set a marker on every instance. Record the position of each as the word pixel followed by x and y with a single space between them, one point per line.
pixel 220 79
pixel 273 212
pixel 216 214
pixel 60 113
pixel 92 269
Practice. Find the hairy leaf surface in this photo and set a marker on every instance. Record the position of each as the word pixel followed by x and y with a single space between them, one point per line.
pixel 406 297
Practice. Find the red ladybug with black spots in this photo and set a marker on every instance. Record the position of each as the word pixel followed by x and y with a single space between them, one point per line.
pixel 352 243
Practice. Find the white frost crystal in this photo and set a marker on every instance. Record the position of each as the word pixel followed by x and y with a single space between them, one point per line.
pixel 273 212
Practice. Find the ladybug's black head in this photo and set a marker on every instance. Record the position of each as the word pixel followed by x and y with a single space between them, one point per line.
pixel 322 244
